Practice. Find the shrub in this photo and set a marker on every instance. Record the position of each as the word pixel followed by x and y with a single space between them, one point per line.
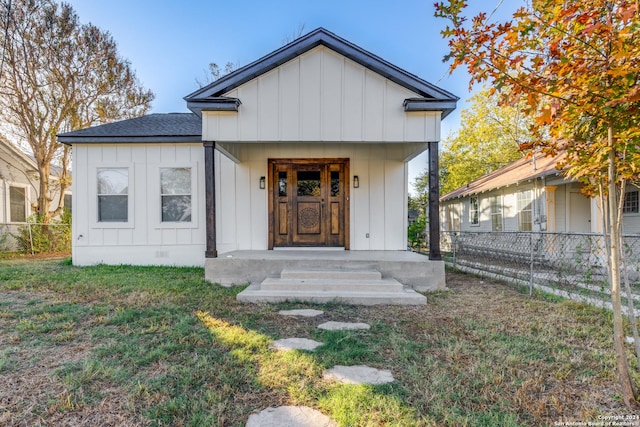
pixel 43 238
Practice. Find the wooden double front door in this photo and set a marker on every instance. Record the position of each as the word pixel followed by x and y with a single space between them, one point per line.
pixel 308 202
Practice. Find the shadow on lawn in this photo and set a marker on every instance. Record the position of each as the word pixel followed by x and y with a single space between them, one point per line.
pixel 299 374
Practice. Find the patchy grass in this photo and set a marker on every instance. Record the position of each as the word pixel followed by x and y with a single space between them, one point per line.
pixel 160 346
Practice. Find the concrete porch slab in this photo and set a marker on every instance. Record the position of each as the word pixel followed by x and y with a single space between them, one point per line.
pixel 242 267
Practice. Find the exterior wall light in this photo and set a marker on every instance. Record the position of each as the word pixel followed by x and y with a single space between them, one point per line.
pixel 262 183
pixel 356 181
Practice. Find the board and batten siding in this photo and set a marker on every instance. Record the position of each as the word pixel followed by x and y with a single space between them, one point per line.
pixel 378 208
pixel 321 96
pixel 144 239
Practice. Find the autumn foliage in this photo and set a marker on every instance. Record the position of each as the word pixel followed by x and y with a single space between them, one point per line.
pixel 575 66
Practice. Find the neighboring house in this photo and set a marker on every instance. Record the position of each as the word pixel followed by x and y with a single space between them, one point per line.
pixel 306 147
pixel 529 194
pixel 18 173
pixel 18 191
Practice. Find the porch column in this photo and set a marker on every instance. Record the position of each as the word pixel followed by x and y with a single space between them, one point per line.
pixel 434 203
pixel 210 198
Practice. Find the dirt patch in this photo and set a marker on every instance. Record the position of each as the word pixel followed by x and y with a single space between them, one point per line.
pixel 32 388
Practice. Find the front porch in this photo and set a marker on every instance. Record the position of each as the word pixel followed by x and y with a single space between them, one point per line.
pixel 409 268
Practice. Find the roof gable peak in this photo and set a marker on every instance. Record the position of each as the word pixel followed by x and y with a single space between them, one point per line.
pixel 317 37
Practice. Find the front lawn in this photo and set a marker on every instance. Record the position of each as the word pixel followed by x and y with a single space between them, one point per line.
pixel 160 346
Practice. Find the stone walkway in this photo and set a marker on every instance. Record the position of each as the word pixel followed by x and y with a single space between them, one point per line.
pixel 302 416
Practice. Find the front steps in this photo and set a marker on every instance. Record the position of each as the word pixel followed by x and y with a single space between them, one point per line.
pixel 349 286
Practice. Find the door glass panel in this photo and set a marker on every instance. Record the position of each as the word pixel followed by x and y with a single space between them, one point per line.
pixel 308 183
pixel 335 183
pixel 282 184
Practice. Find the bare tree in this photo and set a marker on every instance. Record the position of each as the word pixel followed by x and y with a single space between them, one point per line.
pixel 61 75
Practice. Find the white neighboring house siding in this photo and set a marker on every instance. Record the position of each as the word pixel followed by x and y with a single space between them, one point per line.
pixel 15 171
pixel 144 239
pixel 573 211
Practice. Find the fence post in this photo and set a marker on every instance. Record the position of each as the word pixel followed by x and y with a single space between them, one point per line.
pixel 454 242
pixel 531 264
pixel 30 236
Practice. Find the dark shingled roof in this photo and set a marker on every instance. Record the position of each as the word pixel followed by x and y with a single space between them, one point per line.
pixel 171 127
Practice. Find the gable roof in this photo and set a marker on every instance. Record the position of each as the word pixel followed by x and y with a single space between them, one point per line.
pixel 523 169
pixel 171 127
pixel 27 161
pixel 211 97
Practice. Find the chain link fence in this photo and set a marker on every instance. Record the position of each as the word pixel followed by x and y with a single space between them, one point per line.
pixel 35 238
pixel 571 265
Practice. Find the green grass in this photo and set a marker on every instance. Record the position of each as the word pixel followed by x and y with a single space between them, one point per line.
pixel 161 346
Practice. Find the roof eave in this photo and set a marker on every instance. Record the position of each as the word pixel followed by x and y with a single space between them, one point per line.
pixel 214 104
pixel 163 139
pixel 446 106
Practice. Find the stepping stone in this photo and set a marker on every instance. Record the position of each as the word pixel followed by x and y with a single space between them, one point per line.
pixel 340 326
pixel 293 416
pixel 295 344
pixel 359 374
pixel 307 312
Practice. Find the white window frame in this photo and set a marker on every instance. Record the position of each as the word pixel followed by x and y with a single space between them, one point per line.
pixel 493 202
pixel 637 203
pixel 27 202
pixel 154 175
pixel 520 208
pixel 474 211
pixel 93 191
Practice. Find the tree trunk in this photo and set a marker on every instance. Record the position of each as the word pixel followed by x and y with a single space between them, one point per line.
pixel 44 198
pixel 624 375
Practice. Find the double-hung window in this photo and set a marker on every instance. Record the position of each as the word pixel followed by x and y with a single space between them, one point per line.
pixel 474 218
pixel 631 202
pixel 525 211
pixel 175 194
pixel 496 213
pixel 113 194
pixel 17 204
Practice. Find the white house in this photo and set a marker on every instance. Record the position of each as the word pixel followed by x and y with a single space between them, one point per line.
pixel 530 194
pixel 305 148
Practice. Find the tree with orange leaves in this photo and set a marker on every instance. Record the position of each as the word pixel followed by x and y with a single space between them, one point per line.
pixel 576 66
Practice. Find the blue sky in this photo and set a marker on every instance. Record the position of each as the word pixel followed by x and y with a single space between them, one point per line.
pixel 171 42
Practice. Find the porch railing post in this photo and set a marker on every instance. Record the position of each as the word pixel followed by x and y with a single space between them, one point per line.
pixel 434 203
pixel 210 199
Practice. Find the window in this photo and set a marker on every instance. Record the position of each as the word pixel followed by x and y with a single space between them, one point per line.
pixel 496 213
pixel 631 202
pixel 67 202
pixel 18 204
pixel 473 210
pixel 113 194
pixel 525 214
pixel 175 194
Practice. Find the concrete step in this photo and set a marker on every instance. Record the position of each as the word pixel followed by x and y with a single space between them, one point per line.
pixel 254 294
pixel 328 285
pixel 331 273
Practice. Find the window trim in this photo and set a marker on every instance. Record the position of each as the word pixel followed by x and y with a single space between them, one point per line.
pixel 93 207
pixel 519 208
pixel 637 203
pixel 476 211
pixel 27 200
pixel 500 203
pixel 155 202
